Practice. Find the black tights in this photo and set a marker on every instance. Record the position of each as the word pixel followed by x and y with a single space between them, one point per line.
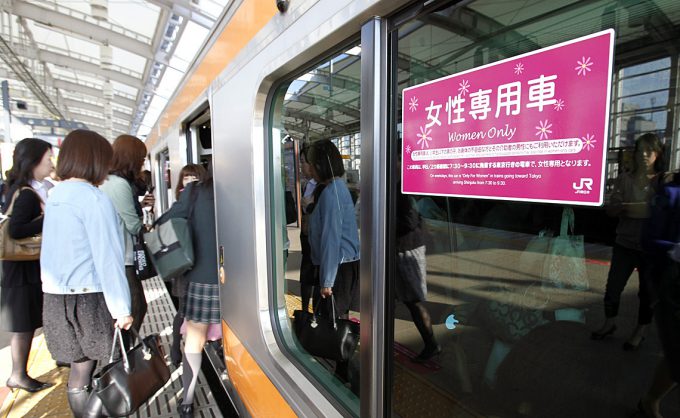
pixel 422 320
pixel 81 373
pixel 21 347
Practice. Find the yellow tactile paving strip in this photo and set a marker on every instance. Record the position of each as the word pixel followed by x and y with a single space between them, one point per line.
pixel 52 402
pixel 48 403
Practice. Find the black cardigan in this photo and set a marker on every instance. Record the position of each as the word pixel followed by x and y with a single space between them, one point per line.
pixel 26 221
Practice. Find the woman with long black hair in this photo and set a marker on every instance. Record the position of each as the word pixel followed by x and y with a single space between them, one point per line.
pixel 21 299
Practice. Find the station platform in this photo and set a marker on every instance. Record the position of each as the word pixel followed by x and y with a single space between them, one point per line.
pixel 52 402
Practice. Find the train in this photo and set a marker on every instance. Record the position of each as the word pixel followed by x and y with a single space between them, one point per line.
pixel 275 75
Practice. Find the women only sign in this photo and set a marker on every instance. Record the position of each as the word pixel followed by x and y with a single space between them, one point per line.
pixel 529 128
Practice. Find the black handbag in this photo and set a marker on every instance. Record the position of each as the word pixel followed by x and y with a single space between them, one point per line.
pixel 326 336
pixel 127 383
pixel 144 269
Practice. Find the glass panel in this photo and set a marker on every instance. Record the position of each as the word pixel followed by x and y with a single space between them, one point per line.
pixel 498 312
pixel 315 119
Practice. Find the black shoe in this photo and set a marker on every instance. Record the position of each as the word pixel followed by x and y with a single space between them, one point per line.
pixel 35 386
pixel 597 335
pixel 186 411
pixel 427 353
pixel 628 346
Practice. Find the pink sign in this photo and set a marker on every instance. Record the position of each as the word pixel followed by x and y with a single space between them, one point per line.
pixel 528 128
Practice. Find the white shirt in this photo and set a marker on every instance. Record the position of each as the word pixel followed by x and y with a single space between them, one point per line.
pixel 41 187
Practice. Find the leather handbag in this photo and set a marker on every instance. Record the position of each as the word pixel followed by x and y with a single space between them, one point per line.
pixel 326 336
pixel 144 269
pixel 24 249
pixel 127 383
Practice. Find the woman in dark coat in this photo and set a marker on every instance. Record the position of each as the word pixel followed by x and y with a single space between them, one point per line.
pixel 21 298
pixel 202 300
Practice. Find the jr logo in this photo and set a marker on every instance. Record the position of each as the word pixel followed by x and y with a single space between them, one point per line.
pixel 586 183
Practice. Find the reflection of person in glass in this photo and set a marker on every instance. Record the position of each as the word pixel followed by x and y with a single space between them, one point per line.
pixel 308 279
pixel 411 272
pixel 333 232
pixel 661 242
pixel 629 201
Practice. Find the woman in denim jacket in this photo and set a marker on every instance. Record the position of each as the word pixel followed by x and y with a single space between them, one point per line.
pixel 86 292
pixel 333 232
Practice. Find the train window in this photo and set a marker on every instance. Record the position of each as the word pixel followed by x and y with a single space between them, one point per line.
pixel 491 317
pixel 315 129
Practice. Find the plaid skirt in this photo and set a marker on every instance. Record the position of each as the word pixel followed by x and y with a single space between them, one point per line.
pixel 202 303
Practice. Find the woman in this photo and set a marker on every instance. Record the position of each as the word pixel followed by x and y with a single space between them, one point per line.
pixel 629 202
pixel 411 273
pixel 21 298
pixel 661 242
pixel 129 153
pixel 86 291
pixel 308 279
pixel 333 232
pixel 190 173
pixel 202 304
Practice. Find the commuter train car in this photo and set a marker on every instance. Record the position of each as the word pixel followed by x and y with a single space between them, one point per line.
pixel 513 293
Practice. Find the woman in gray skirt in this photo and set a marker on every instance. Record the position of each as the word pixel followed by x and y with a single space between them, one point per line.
pixel 86 291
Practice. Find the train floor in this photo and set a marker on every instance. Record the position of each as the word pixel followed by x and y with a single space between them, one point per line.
pixel 52 402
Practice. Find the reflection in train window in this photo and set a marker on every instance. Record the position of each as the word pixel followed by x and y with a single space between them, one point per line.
pixel 315 129
pixel 491 316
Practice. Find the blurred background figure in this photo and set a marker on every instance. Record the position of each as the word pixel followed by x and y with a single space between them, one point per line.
pixel 629 201
pixel 21 299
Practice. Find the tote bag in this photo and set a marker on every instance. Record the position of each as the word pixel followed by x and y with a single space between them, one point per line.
pixel 170 247
pixel 565 265
pixel 24 249
pixel 127 383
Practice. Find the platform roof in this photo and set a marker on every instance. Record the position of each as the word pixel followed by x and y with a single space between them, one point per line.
pixel 108 65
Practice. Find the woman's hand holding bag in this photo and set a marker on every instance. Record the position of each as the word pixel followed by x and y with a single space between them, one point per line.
pixel 127 383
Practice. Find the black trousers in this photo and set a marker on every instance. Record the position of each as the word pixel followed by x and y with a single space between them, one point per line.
pixel 346 288
pixel 624 262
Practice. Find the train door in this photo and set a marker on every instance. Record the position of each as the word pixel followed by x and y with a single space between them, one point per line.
pixel 199 139
pixel 490 314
